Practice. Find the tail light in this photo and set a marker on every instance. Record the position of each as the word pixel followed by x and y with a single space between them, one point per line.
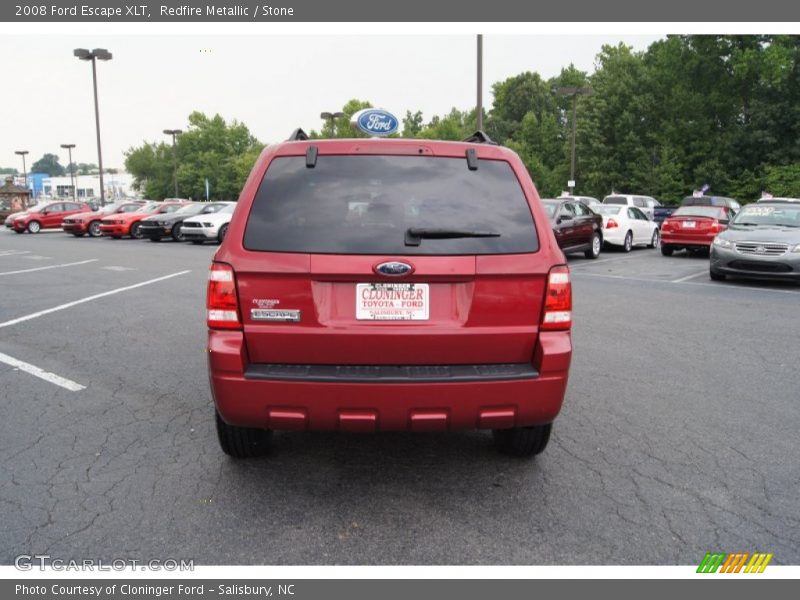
pixel 611 224
pixel 557 315
pixel 222 300
pixel 666 225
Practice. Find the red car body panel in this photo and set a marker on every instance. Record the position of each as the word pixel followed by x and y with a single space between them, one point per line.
pixel 119 224
pixel 48 219
pixel 485 310
pixel 674 231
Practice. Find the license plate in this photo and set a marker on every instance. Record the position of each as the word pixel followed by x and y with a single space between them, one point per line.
pixel 392 301
pixel 690 224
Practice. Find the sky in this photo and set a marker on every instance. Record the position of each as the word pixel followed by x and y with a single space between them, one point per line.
pixel 273 84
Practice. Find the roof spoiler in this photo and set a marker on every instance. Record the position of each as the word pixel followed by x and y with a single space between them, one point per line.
pixel 480 137
pixel 298 135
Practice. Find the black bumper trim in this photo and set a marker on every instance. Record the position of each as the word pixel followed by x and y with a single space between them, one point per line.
pixel 392 373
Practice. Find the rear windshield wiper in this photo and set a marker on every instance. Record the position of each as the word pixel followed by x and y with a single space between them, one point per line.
pixel 414 235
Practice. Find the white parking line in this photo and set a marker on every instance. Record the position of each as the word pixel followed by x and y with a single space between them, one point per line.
pixel 83 262
pixel 13 252
pixel 67 384
pixel 588 263
pixel 41 313
pixel 37 257
pixel 720 285
pixel 688 277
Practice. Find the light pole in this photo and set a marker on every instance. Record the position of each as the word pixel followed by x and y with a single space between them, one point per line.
pixel 328 116
pixel 94 56
pixel 22 153
pixel 174 133
pixel 573 92
pixel 480 83
pixel 69 148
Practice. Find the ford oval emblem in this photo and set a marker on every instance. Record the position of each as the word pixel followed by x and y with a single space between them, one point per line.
pixel 374 121
pixel 394 268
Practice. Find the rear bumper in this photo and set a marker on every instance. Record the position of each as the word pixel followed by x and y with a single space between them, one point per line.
pixel 687 241
pixel 247 398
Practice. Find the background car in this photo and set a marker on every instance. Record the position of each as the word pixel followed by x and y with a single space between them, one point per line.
pixel 9 220
pixel 122 224
pixel 157 227
pixel 209 226
pixel 761 242
pixel 627 226
pixel 693 228
pixel 83 223
pixel 577 228
pixel 646 204
pixel 48 216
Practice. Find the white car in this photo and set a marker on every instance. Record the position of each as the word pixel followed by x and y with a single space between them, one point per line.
pixel 587 200
pixel 209 226
pixel 646 204
pixel 627 226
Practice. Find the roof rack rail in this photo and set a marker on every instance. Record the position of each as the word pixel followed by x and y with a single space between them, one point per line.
pixel 298 135
pixel 480 137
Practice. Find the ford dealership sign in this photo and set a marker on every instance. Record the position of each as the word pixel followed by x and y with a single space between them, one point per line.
pixel 374 121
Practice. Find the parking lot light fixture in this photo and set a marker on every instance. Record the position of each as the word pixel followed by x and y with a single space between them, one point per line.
pixel 22 153
pixel 69 148
pixel 573 92
pixel 174 133
pixel 94 56
pixel 332 116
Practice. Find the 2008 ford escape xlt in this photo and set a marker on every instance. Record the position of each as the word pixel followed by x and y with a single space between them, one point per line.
pixel 388 284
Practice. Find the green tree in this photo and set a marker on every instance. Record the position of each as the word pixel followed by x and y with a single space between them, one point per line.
pixel 210 149
pixel 48 164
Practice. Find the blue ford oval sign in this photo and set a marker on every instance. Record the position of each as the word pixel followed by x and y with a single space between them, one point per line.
pixel 374 121
pixel 394 268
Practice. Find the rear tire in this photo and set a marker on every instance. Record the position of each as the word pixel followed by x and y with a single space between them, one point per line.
pixel 667 250
pixel 716 275
pixel 597 244
pixel 627 245
pixel 223 231
pixel 522 441
pixel 94 229
pixel 176 233
pixel 136 231
pixel 242 442
pixel 654 240
pixel 34 227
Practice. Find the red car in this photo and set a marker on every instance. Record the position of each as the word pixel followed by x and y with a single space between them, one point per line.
pixel 388 284
pixel 48 216
pixel 121 224
pixel 81 224
pixel 693 228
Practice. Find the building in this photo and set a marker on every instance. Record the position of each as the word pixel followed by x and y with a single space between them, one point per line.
pixel 118 186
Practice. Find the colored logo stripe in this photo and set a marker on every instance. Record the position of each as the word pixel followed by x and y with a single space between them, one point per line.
pixel 733 563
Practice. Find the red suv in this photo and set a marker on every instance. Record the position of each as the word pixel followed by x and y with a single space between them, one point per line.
pixel 48 216
pixel 388 284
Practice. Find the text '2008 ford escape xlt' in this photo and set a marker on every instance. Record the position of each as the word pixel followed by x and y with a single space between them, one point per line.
pixel 388 284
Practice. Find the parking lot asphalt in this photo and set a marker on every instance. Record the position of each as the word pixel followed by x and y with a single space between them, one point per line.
pixel 679 433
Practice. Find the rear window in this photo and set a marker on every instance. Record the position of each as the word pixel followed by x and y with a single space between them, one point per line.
pixel 365 205
pixel 608 210
pixel 615 200
pixel 714 212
